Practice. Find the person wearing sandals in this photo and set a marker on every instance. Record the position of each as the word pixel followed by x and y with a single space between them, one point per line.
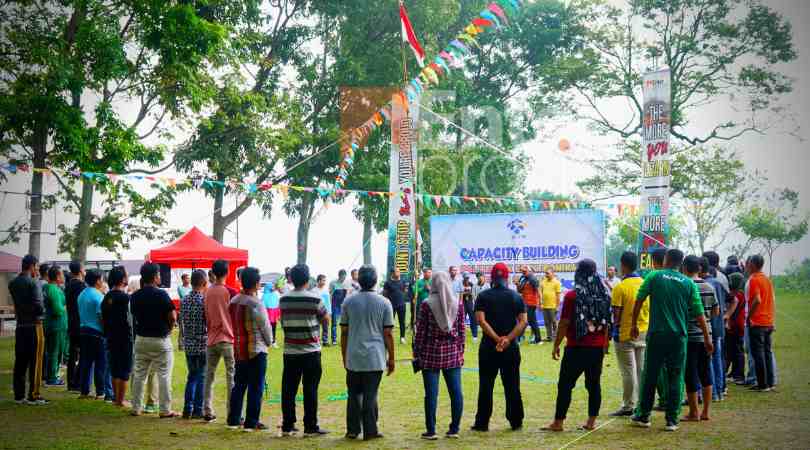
pixel 438 347
pixel 154 316
pixel 584 323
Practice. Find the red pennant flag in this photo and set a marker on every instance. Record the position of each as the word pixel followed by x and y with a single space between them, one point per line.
pixel 409 36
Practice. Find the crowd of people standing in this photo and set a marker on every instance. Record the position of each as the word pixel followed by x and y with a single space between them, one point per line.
pixel 681 328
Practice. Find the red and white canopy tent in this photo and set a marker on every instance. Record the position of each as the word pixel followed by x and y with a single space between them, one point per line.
pixel 195 250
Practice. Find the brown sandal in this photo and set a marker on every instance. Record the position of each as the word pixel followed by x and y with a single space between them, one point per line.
pixel 170 415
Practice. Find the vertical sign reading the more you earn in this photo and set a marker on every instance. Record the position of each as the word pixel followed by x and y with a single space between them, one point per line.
pixel 655 164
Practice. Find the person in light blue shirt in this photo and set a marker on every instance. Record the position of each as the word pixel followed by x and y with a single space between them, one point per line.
pixel 185 288
pixel 270 297
pixel 92 352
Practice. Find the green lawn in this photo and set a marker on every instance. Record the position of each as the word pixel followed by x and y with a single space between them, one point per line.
pixel 744 420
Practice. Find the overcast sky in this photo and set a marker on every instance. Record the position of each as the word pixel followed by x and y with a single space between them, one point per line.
pixel 336 236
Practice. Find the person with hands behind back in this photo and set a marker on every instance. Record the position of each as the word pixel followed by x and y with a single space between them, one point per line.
pixel 501 314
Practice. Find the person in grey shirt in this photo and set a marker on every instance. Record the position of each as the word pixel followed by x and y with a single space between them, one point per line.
pixel 367 345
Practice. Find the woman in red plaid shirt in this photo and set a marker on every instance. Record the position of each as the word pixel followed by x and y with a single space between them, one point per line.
pixel 439 347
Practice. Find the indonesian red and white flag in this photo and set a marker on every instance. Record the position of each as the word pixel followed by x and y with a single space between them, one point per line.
pixel 409 36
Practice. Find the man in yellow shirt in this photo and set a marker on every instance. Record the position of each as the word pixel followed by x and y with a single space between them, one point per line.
pixel 629 351
pixel 550 287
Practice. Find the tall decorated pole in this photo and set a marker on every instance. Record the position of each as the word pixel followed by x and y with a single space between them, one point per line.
pixel 402 205
pixel 655 164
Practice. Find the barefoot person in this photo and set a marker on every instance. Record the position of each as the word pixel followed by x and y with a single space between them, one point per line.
pixel 698 358
pixel 584 322
pixel 118 330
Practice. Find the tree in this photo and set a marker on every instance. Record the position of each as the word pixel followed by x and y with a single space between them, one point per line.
pixel 725 51
pixel 775 224
pixel 69 69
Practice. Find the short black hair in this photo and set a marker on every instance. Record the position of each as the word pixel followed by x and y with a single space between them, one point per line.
pixel 249 276
pixel 367 277
pixel 691 264
pixel 117 275
pixel 342 272
pixel 43 269
pixel 220 268
pixel 149 271
pixel 198 278
pixel 675 257
pixel 758 261
pixel 658 256
pixel 53 272
pixel 705 266
pixel 92 276
pixel 321 277
pixel 478 274
pixel 28 262
pixel 713 257
pixel 75 267
pixel 299 275
pixel 629 260
pixel 183 276
pixel 394 269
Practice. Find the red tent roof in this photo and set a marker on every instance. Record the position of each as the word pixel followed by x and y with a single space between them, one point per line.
pixel 196 249
pixel 10 263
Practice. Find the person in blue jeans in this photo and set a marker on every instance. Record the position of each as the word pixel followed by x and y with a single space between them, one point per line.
pixel 438 347
pixel 195 342
pixel 93 357
pixel 718 364
pixel 338 291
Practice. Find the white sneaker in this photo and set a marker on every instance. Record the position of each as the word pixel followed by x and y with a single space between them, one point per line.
pixel 275 345
pixel 475 339
pixel 671 426
pixel 402 341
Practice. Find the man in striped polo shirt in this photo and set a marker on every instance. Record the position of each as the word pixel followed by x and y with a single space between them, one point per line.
pixel 302 314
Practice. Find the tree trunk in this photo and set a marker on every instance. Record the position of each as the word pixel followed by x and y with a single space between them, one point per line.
pixel 304 221
pixel 219 223
pixel 367 239
pixel 85 219
pixel 40 146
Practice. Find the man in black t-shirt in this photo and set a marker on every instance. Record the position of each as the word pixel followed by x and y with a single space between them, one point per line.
pixel 502 316
pixel 395 291
pixel 73 289
pixel 118 331
pixel 154 317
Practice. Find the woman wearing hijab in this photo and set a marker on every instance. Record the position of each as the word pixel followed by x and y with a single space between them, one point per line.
pixel 439 347
pixel 584 322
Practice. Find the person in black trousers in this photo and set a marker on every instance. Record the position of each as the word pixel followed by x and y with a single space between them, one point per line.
pixel 29 343
pixel 73 289
pixel 502 316
pixel 396 291
pixel 584 322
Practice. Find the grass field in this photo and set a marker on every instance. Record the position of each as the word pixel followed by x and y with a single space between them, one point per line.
pixel 744 420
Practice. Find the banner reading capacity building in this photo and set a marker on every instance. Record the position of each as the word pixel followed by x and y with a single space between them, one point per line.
pixel 401 212
pixel 655 164
pixel 541 240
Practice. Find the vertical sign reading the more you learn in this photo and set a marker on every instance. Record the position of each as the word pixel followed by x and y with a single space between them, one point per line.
pixel 401 207
pixel 655 164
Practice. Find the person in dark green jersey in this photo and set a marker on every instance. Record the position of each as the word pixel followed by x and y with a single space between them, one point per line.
pixel 56 325
pixel 674 299
pixel 661 388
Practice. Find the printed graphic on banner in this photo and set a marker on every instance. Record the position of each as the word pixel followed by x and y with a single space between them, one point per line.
pixel 401 211
pixel 655 164
pixel 541 240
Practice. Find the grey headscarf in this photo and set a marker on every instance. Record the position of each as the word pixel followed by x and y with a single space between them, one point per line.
pixel 443 302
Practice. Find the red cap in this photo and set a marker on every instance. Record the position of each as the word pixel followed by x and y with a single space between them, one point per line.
pixel 500 271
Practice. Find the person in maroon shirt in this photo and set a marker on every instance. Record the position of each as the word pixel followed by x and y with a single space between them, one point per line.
pixel 584 322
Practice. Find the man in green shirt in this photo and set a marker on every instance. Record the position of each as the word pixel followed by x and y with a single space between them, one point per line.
pixel 421 293
pixel 55 326
pixel 674 299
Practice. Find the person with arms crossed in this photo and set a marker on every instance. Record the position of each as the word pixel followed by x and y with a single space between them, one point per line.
pixel 439 347
pixel 502 315
pixel 674 299
pixel 303 312
pixel 367 348
pixel 528 286
pixel 629 352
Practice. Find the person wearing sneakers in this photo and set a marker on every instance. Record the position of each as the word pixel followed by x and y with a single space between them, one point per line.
pixel 438 347
pixel 195 344
pixel 761 308
pixel 585 323
pixel 115 313
pixel 56 326
pixel 251 338
pixel 502 315
pixel 29 343
pixel 674 299
pixel 629 352
pixel 220 337
pixel 303 313
pixel 92 354
pixel 154 317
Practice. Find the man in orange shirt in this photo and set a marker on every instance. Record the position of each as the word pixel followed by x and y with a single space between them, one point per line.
pixel 761 310
pixel 528 288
